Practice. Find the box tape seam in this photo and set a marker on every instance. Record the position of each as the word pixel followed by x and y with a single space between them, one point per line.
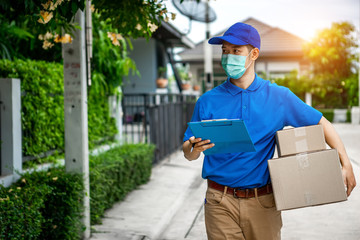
pixel 309 199
pixel 301 145
pixel 299 132
pixel 303 160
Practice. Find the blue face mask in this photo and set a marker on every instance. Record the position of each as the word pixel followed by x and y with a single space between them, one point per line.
pixel 234 65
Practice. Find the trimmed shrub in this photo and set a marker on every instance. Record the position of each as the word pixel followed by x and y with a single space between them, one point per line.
pixel 20 216
pixel 42 205
pixel 348 116
pixel 48 204
pixel 115 173
pixel 328 114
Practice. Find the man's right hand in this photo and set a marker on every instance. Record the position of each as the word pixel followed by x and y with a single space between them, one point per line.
pixel 194 146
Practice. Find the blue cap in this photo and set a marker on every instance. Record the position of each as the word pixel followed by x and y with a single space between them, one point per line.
pixel 239 34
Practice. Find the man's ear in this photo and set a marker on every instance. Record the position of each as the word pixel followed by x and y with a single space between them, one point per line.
pixel 255 54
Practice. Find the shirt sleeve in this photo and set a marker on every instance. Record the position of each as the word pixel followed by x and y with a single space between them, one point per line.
pixel 299 114
pixel 196 117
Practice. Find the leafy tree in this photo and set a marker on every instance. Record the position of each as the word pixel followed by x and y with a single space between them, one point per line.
pixel 351 86
pixel 19 38
pixel 299 85
pixel 52 19
pixel 8 33
pixel 332 55
pixel 110 57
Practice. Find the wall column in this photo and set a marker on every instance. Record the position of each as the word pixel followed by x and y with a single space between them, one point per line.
pixel 10 130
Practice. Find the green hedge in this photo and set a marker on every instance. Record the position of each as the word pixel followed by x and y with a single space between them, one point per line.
pixel 42 205
pixel 48 204
pixel 116 172
pixel 42 106
pixel 42 110
pixel 329 114
pixel 348 116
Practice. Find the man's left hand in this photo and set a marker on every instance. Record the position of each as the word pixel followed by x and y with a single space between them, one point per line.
pixel 349 179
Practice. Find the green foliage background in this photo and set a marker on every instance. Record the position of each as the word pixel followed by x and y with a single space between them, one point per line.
pixel 332 55
pixel 323 95
pixel 42 109
pixel 333 78
pixel 110 63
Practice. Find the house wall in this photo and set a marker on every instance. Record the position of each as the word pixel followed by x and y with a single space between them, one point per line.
pixel 148 56
pixel 144 54
pixel 273 67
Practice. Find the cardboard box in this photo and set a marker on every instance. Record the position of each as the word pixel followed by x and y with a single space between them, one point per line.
pixel 307 179
pixel 297 140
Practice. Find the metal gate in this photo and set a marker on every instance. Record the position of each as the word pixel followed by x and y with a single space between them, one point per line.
pixel 160 119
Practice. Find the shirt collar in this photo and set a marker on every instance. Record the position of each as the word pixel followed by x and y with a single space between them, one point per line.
pixel 233 89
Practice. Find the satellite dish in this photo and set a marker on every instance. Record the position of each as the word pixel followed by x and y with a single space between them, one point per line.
pixel 198 11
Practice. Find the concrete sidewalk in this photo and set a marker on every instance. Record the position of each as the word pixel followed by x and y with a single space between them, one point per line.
pixel 170 205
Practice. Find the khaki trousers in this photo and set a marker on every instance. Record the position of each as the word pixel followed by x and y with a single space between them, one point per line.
pixel 227 217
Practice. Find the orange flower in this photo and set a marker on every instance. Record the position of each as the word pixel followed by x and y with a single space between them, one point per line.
pixel 5 199
pixel 138 27
pixel 115 38
pixel 47 44
pixel 152 27
pixel 47 16
pixel 58 2
pixel 65 39
pixel 116 42
pixel 49 5
pixel 48 35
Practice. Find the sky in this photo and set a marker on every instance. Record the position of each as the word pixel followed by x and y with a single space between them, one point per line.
pixel 302 18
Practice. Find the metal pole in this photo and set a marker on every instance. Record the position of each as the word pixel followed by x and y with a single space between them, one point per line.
pixel 76 118
pixel 89 41
pixel 208 54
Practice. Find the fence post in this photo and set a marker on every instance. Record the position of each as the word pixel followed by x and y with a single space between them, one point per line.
pixel 116 112
pixel 308 98
pixel 145 120
pixel 355 115
pixel 10 138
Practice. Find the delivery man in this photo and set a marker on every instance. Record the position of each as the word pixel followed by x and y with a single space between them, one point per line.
pixel 239 202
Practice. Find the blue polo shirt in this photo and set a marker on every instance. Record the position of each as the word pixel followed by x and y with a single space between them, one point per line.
pixel 265 108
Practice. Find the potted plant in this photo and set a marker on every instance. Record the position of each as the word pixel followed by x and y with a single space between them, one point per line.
pixel 162 81
pixel 186 76
pixel 196 87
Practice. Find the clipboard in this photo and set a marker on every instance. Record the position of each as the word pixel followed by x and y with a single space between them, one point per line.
pixel 229 136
